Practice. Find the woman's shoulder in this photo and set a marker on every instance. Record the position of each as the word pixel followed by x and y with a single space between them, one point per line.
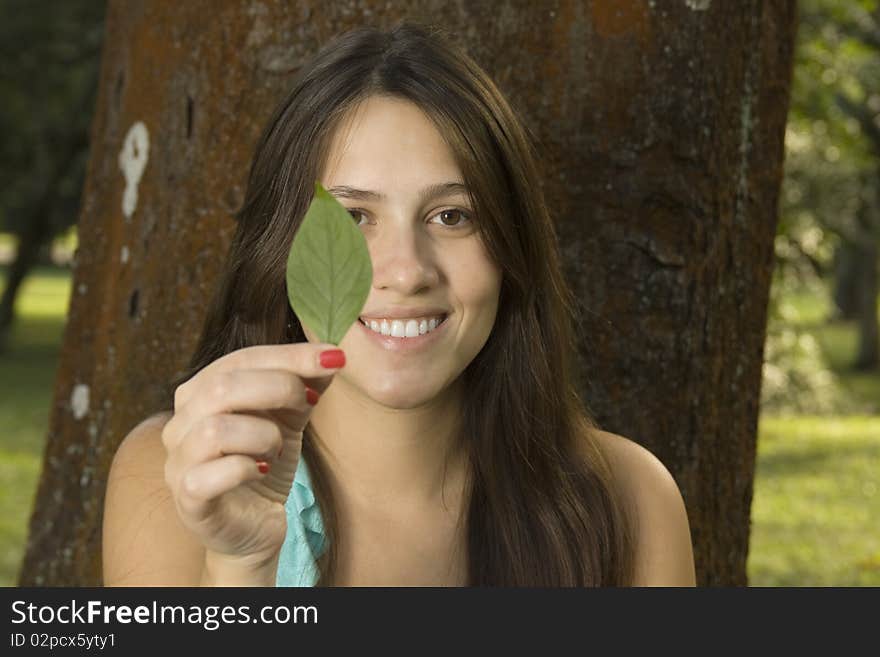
pixel 152 424
pixel 142 448
pixel 631 461
pixel 664 552
pixel 143 540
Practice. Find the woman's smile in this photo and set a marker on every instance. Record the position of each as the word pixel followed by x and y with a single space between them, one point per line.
pixel 406 342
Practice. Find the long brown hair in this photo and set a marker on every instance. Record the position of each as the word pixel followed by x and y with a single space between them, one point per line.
pixel 542 508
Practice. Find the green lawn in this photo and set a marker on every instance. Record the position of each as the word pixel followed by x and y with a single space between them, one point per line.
pixel 816 509
pixel 27 372
pixel 816 506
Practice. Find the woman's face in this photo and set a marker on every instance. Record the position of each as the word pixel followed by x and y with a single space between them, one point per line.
pixel 428 259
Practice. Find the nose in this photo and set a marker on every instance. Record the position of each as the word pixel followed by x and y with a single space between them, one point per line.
pixel 403 261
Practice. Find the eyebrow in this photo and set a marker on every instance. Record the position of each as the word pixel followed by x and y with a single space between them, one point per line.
pixel 427 194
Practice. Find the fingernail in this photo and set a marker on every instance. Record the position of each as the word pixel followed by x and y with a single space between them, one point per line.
pixel 332 358
pixel 311 396
pixel 262 466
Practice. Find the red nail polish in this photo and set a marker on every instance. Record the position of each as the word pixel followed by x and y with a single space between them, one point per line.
pixel 263 467
pixel 311 396
pixel 332 358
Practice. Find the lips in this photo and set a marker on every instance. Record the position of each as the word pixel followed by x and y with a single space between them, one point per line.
pixel 404 312
pixel 440 317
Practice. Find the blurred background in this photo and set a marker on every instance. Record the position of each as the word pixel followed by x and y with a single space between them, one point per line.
pixel 816 506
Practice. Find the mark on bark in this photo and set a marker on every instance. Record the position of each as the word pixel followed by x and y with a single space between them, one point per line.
pixel 79 401
pixel 698 5
pixel 748 123
pixel 123 255
pixel 189 117
pixel 132 162
pixel 626 17
pixel 120 82
pixel 279 59
pixel 261 31
pixel 232 199
pixel 133 303
pixel 649 248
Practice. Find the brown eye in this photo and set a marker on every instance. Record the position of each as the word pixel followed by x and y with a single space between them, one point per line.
pixel 457 215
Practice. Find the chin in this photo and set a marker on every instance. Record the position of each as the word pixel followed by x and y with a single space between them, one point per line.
pixel 400 395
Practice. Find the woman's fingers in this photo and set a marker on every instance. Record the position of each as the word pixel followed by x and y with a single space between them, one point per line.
pixel 300 358
pixel 241 390
pixel 203 483
pixel 244 408
pixel 215 436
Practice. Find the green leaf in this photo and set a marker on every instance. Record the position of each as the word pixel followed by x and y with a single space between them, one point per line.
pixel 329 271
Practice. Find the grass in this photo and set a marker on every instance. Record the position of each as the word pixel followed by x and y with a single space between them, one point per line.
pixel 816 504
pixel 27 374
pixel 816 507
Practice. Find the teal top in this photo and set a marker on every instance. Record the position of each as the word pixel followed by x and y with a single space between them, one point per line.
pixel 305 540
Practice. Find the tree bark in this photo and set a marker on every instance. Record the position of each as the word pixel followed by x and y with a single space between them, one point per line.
pixel 670 237
pixel 661 124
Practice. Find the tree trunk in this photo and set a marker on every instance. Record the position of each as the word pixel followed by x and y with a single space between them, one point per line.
pixel 856 283
pixel 670 143
pixel 845 294
pixel 867 356
pixel 35 240
pixel 30 241
pixel 662 125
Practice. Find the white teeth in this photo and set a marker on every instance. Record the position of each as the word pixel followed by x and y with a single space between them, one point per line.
pixel 398 328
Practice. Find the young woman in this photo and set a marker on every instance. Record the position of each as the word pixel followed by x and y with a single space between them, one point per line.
pixel 443 443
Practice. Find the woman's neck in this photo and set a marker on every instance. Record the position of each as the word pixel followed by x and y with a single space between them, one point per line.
pixel 388 458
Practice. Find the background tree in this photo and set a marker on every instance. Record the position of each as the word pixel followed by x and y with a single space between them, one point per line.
pixel 661 125
pixel 833 173
pixel 48 85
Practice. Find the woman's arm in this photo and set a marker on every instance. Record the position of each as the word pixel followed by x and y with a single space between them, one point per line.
pixel 664 552
pixel 144 542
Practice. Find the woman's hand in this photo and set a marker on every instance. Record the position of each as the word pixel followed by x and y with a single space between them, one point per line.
pixel 247 407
